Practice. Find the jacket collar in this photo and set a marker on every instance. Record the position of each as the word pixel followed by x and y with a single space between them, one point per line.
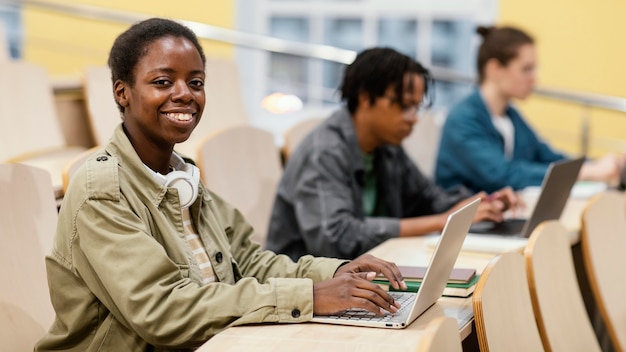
pixel 144 183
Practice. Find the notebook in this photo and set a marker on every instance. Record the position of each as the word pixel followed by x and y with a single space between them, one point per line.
pixel 555 190
pixel 416 274
pixel 432 286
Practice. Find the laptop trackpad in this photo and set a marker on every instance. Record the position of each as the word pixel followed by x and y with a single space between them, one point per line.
pixel 507 227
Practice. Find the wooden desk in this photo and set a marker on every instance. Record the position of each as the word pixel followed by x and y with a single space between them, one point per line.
pixel 308 336
pixel 316 337
pixel 321 337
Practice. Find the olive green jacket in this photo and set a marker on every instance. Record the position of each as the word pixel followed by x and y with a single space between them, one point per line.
pixel 121 279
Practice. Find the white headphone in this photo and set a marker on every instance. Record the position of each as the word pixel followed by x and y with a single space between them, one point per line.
pixel 185 178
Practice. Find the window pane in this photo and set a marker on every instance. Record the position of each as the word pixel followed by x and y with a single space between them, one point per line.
pixel 288 73
pixel 400 34
pixel 345 33
pixel 452 48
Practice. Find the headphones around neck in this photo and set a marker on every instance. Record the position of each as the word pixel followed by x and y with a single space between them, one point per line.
pixel 185 178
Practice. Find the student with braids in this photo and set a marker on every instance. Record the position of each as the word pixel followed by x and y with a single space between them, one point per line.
pixel 349 185
pixel 485 143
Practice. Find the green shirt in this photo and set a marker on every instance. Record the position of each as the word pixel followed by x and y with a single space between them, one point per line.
pixel 372 206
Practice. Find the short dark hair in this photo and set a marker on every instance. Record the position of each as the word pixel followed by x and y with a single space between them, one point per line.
pixel 500 43
pixel 130 46
pixel 374 70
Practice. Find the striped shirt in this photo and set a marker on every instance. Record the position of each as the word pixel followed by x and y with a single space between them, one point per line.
pixel 197 249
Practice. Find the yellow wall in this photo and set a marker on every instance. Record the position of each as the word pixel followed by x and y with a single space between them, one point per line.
pixel 579 45
pixel 65 44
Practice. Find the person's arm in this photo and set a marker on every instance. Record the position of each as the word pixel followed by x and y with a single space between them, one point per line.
pixel 337 284
pixel 250 260
pixel 491 208
pixel 135 279
pixel 605 169
pixel 326 212
pixel 422 225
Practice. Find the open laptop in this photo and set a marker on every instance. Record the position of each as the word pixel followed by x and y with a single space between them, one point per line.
pixel 434 282
pixel 555 190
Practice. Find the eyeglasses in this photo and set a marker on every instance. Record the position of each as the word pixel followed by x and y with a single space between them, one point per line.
pixel 407 109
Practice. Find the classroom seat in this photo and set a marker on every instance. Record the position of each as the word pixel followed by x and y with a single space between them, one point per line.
pixel 603 241
pixel 31 133
pixel 102 112
pixel 224 105
pixel 296 133
pixel 555 294
pixel 242 165
pixel 4 44
pixel 441 335
pixel 503 311
pixel 422 145
pixel 28 216
pixel 18 330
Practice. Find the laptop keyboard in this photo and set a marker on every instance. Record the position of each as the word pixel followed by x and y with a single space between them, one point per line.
pixel 404 298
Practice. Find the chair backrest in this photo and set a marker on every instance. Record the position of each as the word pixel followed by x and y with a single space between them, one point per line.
pixel 422 145
pixel 604 252
pixel 28 216
pixel 18 330
pixel 102 113
pixel 242 165
pixel 27 113
pixel 224 104
pixel 557 301
pixel 441 335
pixel 4 43
pixel 296 133
pixel 503 312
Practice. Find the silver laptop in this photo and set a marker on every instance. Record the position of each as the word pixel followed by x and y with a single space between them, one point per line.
pixel 555 190
pixel 434 282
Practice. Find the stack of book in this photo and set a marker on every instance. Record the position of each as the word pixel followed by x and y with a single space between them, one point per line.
pixel 461 283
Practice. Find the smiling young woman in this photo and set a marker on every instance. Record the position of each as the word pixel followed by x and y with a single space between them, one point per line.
pixel 145 257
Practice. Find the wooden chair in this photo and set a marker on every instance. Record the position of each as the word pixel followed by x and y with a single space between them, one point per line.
pixel 31 133
pixel 503 311
pixel 242 165
pixel 603 243
pixel 4 44
pixel 102 113
pixel 18 330
pixel 557 301
pixel 224 104
pixel 442 335
pixel 28 216
pixel 422 145
pixel 296 133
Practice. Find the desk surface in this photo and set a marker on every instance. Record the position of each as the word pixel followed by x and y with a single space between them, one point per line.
pixel 403 251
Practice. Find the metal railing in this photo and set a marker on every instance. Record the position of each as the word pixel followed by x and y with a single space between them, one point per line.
pixel 322 52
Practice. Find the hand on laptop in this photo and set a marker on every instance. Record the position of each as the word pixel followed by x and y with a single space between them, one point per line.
pixel 606 169
pixel 367 262
pixel 492 206
pixel 351 287
pixel 504 199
